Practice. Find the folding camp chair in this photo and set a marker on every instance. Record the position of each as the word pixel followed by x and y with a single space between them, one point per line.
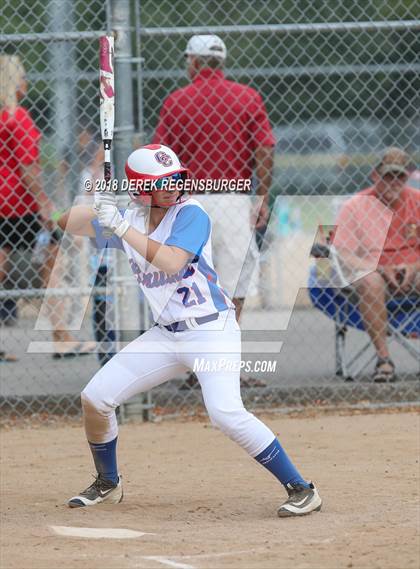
pixel 330 292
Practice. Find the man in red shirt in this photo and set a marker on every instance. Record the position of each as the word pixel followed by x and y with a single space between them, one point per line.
pixel 220 129
pixel 378 236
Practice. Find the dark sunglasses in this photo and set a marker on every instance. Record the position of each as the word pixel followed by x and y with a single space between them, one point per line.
pixel 395 176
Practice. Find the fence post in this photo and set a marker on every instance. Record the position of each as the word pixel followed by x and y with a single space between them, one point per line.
pixel 128 318
pixel 62 59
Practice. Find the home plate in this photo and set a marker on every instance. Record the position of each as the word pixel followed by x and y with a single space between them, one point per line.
pixel 97 533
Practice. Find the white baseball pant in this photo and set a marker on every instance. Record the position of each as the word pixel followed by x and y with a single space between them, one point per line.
pixel 158 356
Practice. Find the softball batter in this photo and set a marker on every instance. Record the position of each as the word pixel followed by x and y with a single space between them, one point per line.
pixel 168 246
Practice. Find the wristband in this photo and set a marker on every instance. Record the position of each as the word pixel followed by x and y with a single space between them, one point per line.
pixel 122 228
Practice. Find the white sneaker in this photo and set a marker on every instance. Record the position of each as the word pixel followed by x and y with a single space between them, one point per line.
pixel 302 500
pixel 100 491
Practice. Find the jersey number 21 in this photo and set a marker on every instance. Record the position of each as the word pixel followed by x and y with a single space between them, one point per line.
pixel 187 292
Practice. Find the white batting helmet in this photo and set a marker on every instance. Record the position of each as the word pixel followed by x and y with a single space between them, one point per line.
pixel 154 162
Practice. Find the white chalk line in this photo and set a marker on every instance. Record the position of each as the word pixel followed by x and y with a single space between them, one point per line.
pixel 169 561
pixel 226 554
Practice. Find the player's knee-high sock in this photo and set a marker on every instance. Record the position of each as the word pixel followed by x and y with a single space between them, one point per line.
pixel 105 458
pixel 275 459
pixel 101 426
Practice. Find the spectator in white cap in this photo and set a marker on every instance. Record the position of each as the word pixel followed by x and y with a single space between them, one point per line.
pixel 220 129
pixel 206 46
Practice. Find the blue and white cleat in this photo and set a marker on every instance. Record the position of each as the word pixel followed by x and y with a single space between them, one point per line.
pixel 100 491
pixel 302 501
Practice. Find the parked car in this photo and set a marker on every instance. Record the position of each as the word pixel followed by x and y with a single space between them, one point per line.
pixel 364 143
pixel 308 159
pixel 336 157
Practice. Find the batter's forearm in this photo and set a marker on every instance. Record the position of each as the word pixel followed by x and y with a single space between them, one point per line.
pixel 78 221
pixel 165 257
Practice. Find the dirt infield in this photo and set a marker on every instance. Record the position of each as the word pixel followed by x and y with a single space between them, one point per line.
pixel 206 504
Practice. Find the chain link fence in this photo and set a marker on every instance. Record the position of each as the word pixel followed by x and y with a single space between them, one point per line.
pixel 339 84
pixel 49 145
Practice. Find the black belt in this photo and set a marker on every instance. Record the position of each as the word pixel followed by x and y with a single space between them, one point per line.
pixel 182 325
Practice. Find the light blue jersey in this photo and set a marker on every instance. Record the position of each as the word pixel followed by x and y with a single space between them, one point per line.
pixel 193 292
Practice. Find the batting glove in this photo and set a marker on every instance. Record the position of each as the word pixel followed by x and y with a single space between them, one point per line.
pixel 104 198
pixel 110 218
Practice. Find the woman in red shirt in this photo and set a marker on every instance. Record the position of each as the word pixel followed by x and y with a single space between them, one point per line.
pixel 25 209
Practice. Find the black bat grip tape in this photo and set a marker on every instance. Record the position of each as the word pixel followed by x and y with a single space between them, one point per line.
pixel 107 171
